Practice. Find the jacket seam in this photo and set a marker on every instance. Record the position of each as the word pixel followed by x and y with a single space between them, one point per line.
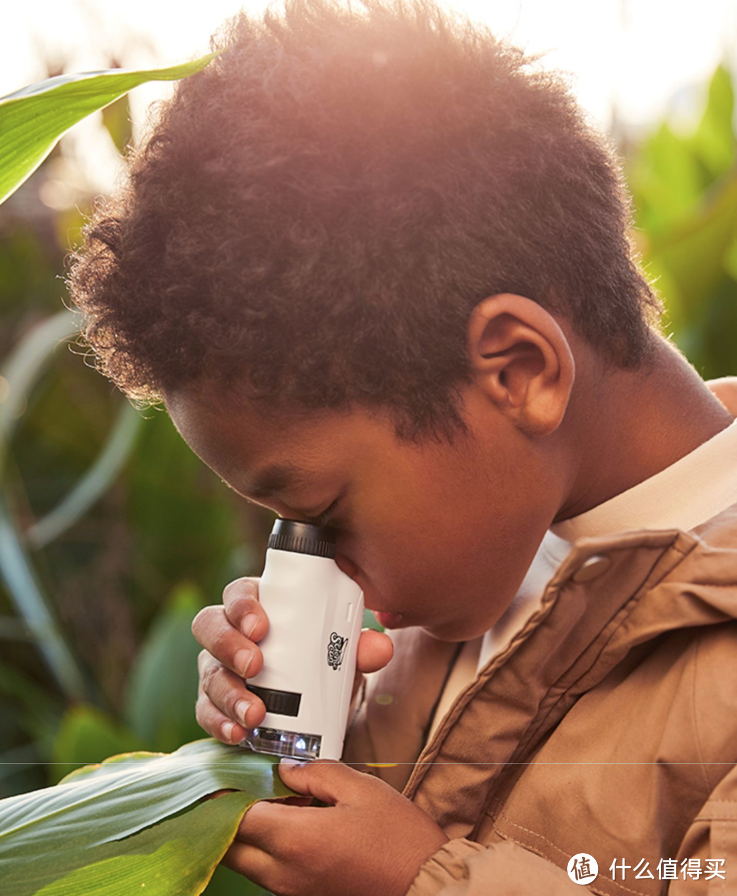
pixel 451 664
pixel 419 771
pixel 720 585
pixel 547 602
pixel 537 851
pixel 629 607
pixel 551 592
pixel 626 610
pixel 699 749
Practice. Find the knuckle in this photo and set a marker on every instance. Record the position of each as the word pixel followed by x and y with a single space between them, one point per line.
pixel 203 619
pixel 209 675
pixel 205 661
pixel 222 645
pixel 239 607
pixel 246 586
pixel 235 696
pixel 200 712
pixel 255 702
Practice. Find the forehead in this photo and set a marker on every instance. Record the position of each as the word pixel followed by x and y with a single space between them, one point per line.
pixel 260 451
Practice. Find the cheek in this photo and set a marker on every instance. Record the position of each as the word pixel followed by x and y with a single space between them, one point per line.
pixel 417 567
pixel 422 539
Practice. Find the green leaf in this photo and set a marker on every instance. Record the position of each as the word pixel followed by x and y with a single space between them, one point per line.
pixel 117 121
pixel 162 688
pixel 135 821
pixel 33 119
pixel 730 259
pixel 22 369
pixel 225 882
pixel 96 481
pixel 38 707
pixel 714 140
pixel 176 857
pixel 666 181
pixel 183 524
pixel 694 254
pixel 87 734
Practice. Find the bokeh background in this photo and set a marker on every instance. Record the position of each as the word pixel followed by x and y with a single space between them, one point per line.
pixel 112 533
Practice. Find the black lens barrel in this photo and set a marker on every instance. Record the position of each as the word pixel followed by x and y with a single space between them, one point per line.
pixel 302 538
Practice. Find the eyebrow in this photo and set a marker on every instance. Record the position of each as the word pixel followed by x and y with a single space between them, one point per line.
pixel 277 477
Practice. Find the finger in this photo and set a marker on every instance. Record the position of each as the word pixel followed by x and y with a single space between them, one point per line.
pixel 216 723
pixel 265 822
pixel 329 780
pixel 288 800
pixel 228 693
pixel 212 796
pixel 243 609
pixel 375 650
pixel 253 863
pixel 222 640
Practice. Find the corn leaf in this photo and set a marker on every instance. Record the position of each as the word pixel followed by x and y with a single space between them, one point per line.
pixel 34 118
pixel 175 858
pixel 135 822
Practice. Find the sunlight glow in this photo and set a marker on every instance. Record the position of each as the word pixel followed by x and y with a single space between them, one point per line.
pixel 628 61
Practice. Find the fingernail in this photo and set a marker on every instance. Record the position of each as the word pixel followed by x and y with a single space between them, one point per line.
pixel 287 760
pixel 243 660
pixel 227 730
pixel 241 708
pixel 249 624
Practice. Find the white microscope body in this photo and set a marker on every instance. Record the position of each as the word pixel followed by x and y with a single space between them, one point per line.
pixel 315 614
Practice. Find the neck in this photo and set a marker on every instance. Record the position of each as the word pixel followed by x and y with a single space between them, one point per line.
pixel 636 424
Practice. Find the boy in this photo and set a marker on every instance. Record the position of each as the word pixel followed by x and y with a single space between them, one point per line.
pixel 376 266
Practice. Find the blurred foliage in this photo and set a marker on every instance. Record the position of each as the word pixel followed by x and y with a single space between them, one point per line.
pixel 685 194
pixel 126 578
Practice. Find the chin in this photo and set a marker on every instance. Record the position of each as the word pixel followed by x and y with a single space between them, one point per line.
pixel 442 634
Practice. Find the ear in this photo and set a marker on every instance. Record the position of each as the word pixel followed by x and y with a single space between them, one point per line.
pixel 522 361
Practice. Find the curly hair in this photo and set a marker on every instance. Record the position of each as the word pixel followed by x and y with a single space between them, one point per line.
pixel 314 215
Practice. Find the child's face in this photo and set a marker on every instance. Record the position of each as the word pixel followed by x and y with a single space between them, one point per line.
pixel 440 534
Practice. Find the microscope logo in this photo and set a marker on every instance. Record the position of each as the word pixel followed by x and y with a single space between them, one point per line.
pixel 336 646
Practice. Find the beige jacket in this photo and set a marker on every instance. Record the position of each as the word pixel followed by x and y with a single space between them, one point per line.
pixel 608 726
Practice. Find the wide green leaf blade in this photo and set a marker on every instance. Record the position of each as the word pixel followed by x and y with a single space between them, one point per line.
pixel 174 858
pixel 34 118
pixel 49 833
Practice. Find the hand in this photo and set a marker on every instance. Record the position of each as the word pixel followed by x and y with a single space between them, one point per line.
pixel 369 839
pixel 225 707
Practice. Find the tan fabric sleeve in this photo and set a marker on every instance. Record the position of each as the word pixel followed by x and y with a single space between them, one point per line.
pixel 711 844
pixel 465 868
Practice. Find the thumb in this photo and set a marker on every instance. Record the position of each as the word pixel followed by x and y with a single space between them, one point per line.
pixel 330 780
pixel 375 650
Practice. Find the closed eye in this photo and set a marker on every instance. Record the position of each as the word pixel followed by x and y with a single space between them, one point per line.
pixel 322 519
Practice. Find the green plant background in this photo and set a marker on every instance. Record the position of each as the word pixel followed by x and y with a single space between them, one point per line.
pixel 122 573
